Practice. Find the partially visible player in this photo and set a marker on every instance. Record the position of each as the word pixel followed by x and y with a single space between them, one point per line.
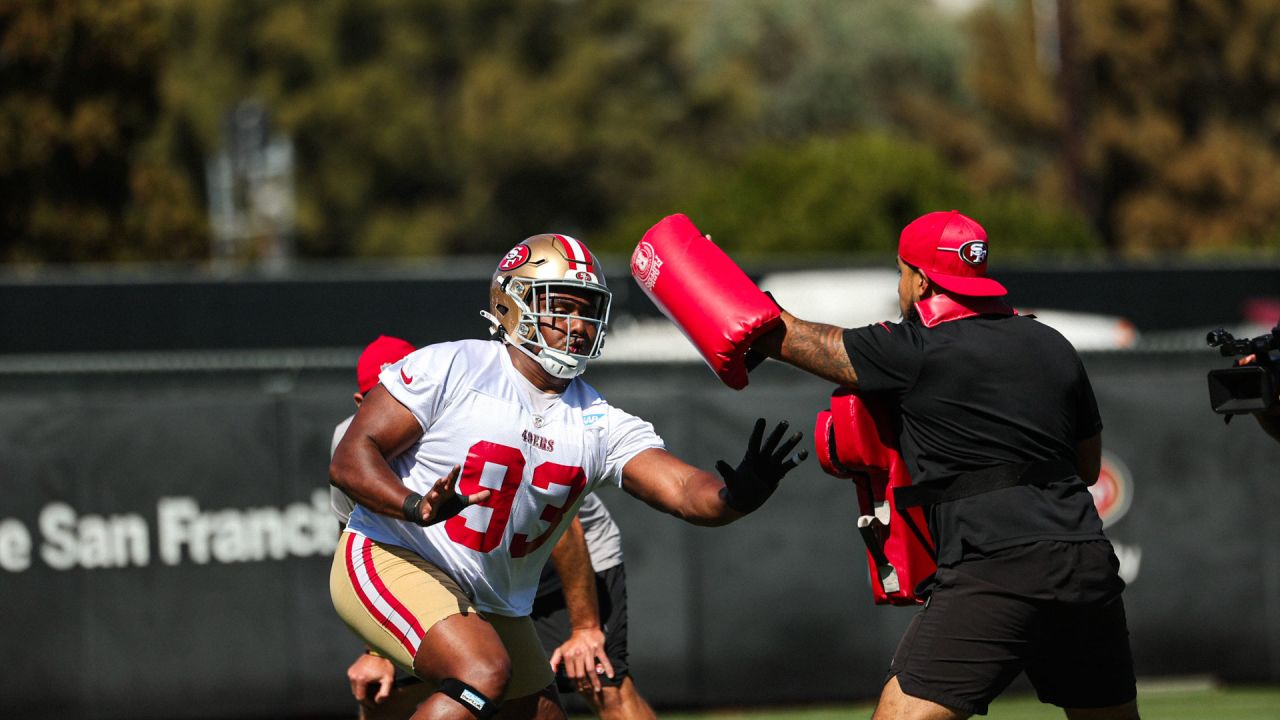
pixel 377 355
pixel 560 611
pixel 373 683
pixel 465 463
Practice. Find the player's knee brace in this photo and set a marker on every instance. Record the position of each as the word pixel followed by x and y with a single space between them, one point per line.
pixel 470 698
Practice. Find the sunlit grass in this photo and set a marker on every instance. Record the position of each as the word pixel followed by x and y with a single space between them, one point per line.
pixel 1198 701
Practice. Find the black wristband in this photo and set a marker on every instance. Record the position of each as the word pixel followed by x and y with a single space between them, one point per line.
pixel 411 508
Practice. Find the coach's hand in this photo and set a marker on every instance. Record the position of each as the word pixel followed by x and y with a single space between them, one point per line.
pixel 747 486
pixel 584 658
pixel 371 677
pixel 441 502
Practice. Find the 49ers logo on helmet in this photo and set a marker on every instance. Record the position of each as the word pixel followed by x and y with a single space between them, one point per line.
pixel 514 258
pixel 1113 493
pixel 974 252
pixel 645 264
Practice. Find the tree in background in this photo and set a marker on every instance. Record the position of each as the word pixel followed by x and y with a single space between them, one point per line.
pixel 79 100
pixel 827 67
pixel 427 127
pixel 862 121
pixel 1177 105
pixel 848 194
pixel 447 126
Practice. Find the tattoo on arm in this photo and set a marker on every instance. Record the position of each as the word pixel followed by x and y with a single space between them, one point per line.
pixel 819 349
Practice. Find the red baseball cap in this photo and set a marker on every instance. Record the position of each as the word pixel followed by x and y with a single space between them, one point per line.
pixel 951 250
pixel 377 355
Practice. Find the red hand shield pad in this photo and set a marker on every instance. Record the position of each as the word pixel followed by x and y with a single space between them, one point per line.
pixel 704 292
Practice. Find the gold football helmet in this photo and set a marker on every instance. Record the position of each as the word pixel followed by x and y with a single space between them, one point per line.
pixel 520 296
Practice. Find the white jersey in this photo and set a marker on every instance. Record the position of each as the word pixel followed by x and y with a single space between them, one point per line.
pixel 603 538
pixel 539 454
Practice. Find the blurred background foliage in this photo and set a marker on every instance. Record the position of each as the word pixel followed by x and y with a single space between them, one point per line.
pixel 787 127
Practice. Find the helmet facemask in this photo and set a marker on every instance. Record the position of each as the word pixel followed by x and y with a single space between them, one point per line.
pixel 547 287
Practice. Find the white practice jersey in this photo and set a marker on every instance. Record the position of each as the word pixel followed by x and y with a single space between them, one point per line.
pixel 540 455
pixel 603 538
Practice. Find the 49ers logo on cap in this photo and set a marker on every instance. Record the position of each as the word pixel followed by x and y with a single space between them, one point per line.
pixel 974 252
pixel 645 264
pixel 514 258
pixel 1113 493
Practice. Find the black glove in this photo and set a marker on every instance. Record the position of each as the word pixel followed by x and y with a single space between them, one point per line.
pixel 442 501
pixel 747 486
pixel 411 508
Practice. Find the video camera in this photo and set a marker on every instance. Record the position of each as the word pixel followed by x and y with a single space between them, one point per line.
pixel 1245 388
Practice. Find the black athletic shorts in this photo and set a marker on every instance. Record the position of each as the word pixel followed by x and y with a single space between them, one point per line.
pixel 1051 609
pixel 551 619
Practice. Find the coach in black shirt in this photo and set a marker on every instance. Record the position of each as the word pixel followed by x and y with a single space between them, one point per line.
pixel 1001 433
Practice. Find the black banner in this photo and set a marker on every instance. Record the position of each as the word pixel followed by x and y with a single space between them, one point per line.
pixel 165 542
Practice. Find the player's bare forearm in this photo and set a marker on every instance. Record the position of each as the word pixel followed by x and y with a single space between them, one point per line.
pixel 573 564
pixel 673 486
pixel 583 652
pixel 815 347
pixel 701 500
pixel 382 429
pixel 358 470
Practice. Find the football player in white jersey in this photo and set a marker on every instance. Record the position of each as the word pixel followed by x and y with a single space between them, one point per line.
pixel 586 563
pixel 466 462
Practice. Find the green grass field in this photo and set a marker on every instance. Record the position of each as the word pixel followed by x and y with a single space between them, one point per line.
pixel 1155 702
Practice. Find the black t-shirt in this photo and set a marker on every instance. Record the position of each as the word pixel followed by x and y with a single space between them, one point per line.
pixel 979 392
